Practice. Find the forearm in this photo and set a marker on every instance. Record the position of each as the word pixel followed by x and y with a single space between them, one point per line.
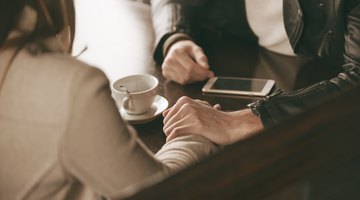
pixel 243 124
pixel 184 151
pixel 279 107
pixel 165 17
pixel 170 17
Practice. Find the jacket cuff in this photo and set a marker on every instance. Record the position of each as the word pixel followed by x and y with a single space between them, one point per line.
pixel 280 106
pixel 166 42
pixel 176 37
pixel 260 110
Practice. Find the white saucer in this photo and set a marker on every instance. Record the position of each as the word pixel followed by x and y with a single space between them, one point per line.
pixel 160 104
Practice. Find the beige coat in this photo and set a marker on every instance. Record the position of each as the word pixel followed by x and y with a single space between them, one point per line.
pixel 61 135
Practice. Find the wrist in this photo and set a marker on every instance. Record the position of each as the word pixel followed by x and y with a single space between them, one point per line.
pixel 243 124
pixel 172 40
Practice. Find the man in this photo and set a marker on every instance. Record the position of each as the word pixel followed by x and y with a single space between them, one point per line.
pixel 328 30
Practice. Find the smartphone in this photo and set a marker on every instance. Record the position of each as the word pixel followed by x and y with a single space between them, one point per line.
pixel 239 86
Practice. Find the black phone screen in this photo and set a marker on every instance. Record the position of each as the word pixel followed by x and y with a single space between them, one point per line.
pixel 239 84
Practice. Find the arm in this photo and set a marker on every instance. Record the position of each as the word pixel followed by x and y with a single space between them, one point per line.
pixel 188 116
pixel 280 106
pixel 200 118
pixel 102 152
pixel 181 59
pixel 170 17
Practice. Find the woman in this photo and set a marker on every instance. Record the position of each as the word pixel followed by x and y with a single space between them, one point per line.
pixel 61 134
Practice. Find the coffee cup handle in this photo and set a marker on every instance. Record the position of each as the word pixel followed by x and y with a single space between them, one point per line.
pixel 126 103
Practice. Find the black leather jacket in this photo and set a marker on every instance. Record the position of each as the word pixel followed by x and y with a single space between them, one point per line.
pixel 328 29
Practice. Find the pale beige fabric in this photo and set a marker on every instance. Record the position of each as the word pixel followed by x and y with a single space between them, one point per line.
pixel 61 135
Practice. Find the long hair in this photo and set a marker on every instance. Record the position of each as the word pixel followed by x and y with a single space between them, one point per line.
pixel 53 16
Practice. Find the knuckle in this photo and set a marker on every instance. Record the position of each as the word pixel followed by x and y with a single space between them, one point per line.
pixel 188 108
pixel 165 65
pixel 197 49
pixel 176 132
pixel 166 131
pixel 192 66
pixel 227 139
pixel 178 51
pixel 169 60
pixel 183 100
pixel 202 57
pixel 187 75
pixel 182 82
pixel 165 73
pixel 185 80
pixel 198 123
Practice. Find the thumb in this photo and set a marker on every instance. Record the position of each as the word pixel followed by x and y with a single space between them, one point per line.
pixel 200 57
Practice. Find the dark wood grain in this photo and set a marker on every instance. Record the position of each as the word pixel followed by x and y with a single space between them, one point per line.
pixel 131 53
pixel 245 60
pixel 315 155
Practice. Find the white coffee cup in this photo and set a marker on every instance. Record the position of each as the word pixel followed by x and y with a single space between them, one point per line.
pixel 135 93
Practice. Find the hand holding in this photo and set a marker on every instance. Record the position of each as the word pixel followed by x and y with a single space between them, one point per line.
pixel 190 116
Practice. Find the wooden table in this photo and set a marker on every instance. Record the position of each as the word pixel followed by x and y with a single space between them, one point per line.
pixel 120 38
pixel 313 156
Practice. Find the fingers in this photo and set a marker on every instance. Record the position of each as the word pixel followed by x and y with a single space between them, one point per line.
pixel 189 116
pixel 173 110
pixel 193 69
pixel 181 125
pixel 166 112
pixel 169 113
pixel 174 124
pixel 183 117
pixel 217 107
pixel 178 131
pixel 186 63
pixel 199 56
pixel 201 60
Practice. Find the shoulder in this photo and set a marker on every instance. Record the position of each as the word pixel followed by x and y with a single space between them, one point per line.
pixel 66 62
pixel 63 72
pixel 61 66
pixel 80 74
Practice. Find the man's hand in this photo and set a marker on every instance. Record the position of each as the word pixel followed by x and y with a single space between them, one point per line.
pixel 190 116
pixel 186 63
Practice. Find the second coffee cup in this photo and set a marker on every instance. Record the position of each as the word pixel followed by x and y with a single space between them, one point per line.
pixel 135 93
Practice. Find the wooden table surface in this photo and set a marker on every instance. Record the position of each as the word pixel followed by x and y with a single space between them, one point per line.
pixel 306 158
pixel 119 38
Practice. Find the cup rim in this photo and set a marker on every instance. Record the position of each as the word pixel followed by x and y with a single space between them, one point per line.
pixel 144 91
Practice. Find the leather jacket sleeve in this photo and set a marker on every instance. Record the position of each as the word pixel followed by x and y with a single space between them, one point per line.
pixel 169 17
pixel 280 106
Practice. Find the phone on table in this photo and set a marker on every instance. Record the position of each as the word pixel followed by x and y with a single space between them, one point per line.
pixel 239 86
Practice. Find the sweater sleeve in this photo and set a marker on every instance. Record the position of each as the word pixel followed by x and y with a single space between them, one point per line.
pixel 103 153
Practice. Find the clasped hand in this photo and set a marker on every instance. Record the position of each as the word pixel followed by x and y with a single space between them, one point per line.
pixel 189 116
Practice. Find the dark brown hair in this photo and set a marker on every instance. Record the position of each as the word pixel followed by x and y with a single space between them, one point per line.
pixel 53 17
